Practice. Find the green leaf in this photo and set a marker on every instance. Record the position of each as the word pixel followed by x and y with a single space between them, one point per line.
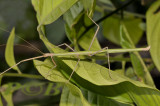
pixel 76 25
pixel 153 32
pixel 9 52
pixel 72 17
pixel 55 75
pixel 131 74
pixel 73 14
pixel 93 99
pixel 111 29
pixel 48 10
pixel 138 64
pixel 89 6
pixel 68 99
pixel 85 41
pixel 95 78
pixel 8 96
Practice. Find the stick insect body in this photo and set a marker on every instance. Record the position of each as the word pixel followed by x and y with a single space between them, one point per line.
pixel 76 53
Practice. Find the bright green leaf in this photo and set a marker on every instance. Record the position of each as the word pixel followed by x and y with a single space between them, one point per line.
pixel 9 52
pixel 50 10
pixel 95 78
pixel 111 29
pixel 153 32
pixel 55 75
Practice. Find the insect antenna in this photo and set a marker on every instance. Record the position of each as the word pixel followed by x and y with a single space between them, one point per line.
pixel 32 46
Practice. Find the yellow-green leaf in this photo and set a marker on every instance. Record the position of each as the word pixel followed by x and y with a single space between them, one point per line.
pixel 50 10
pixel 9 52
pixel 153 32
pixel 111 29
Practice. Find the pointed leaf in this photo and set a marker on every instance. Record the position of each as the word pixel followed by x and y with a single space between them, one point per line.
pixel 9 52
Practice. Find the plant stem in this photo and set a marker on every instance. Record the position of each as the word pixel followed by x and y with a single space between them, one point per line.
pixel 23 75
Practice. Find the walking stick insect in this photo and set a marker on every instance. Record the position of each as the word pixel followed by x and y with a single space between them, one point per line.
pixel 75 53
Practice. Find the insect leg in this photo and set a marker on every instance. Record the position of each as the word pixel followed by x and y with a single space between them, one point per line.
pixel 105 48
pixel 55 65
pixel 64 44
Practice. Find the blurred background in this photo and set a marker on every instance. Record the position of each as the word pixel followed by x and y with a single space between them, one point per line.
pixel 21 15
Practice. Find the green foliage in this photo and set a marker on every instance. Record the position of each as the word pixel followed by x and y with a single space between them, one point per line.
pixel 9 53
pixel 95 78
pixel 112 28
pixel 76 21
pixel 139 66
pixel 92 83
pixel 153 32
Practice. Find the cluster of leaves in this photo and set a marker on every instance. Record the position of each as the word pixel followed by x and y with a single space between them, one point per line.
pixel 91 84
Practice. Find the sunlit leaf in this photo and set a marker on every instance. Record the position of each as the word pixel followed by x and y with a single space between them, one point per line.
pixel 48 10
pixel 9 52
pixel 56 76
pixel 95 78
pixel 153 32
